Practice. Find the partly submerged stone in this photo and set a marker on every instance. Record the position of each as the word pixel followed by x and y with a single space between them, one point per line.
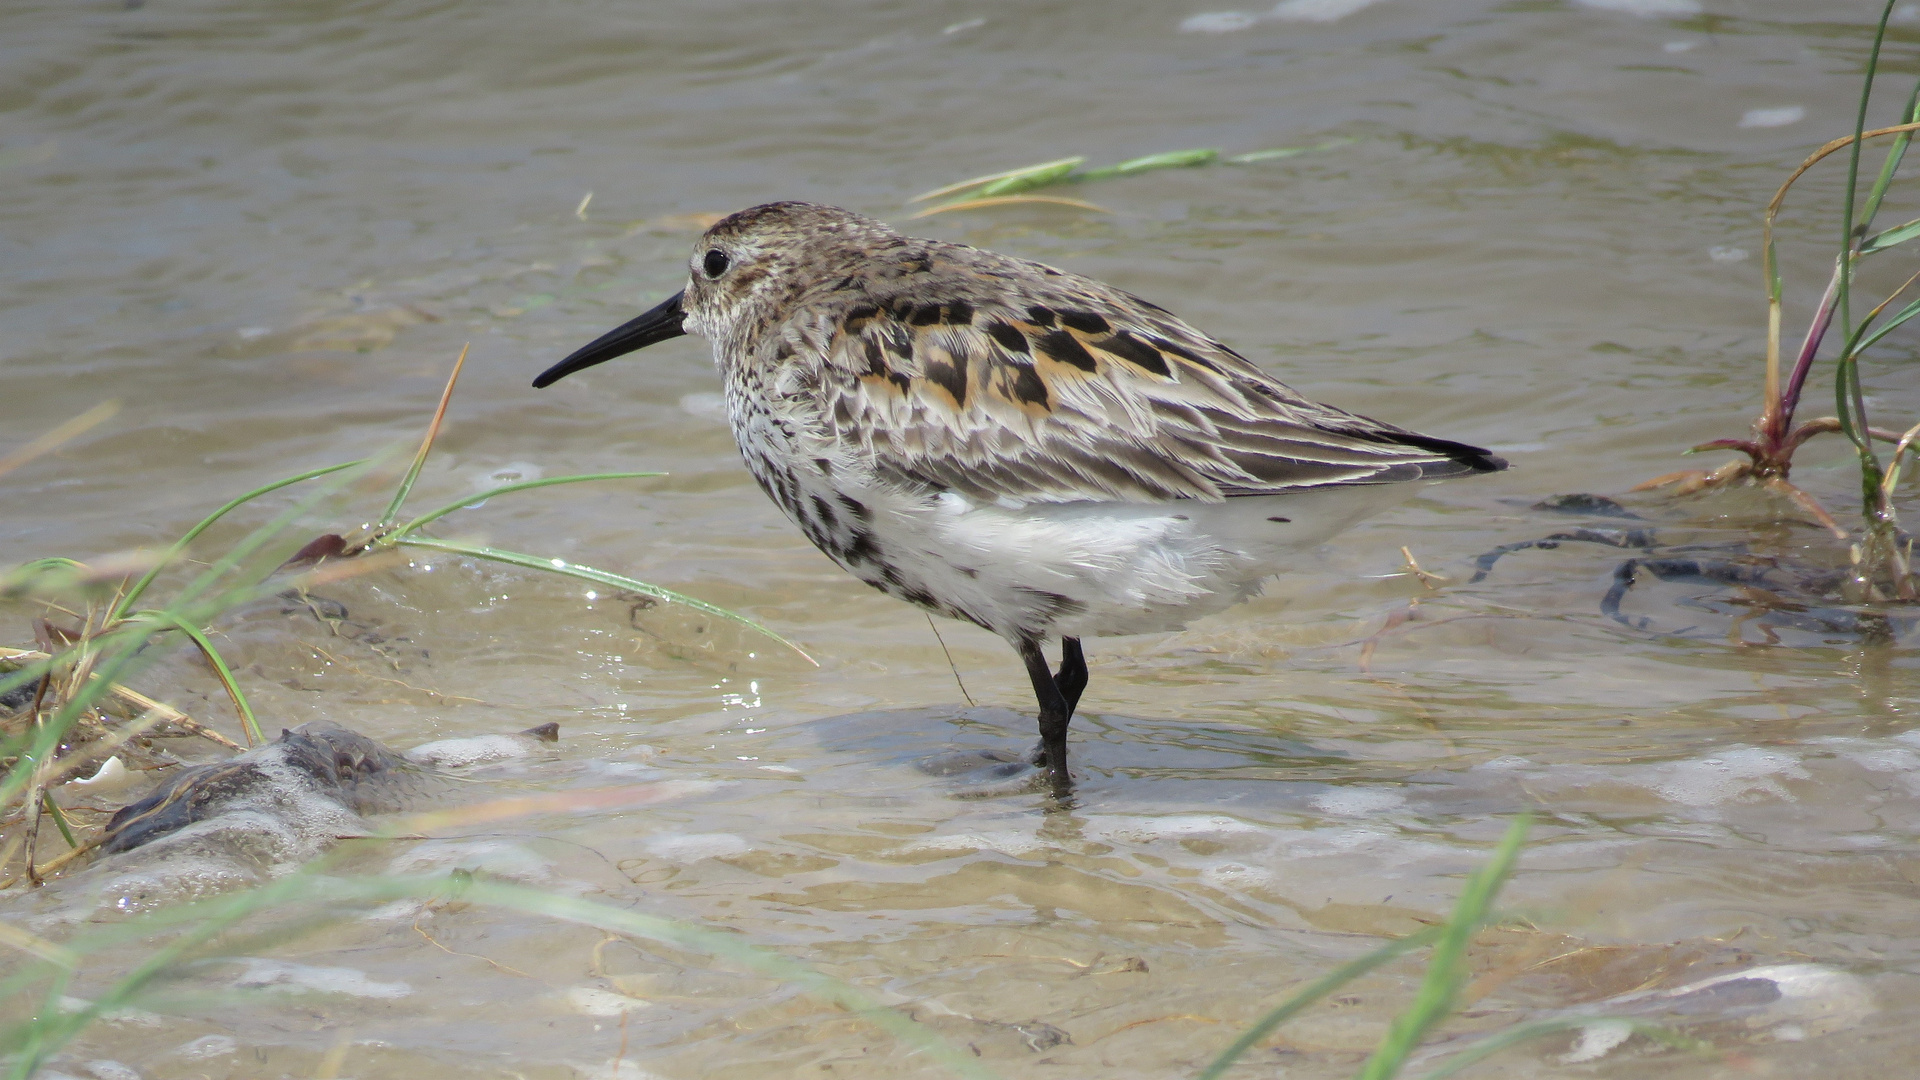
pixel 317 771
pixel 212 828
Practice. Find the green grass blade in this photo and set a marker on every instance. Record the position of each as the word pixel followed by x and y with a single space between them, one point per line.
pixel 978 181
pixel 1892 164
pixel 133 594
pixel 220 670
pixel 59 819
pixel 1279 152
pixel 254 542
pixel 525 485
pixel 1171 159
pixel 1030 177
pixel 1038 176
pixel 120 648
pixel 1313 992
pixel 1893 237
pixel 1447 969
pixel 1853 175
pixel 1900 319
pixel 22 578
pixel 601 577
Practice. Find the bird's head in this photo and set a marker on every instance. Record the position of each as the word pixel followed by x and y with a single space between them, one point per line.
pixel 742 274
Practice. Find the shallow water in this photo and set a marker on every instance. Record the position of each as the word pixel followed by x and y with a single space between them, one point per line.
pixel 267 230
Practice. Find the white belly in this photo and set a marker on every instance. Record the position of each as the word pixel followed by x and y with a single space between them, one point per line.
pixel 1096 569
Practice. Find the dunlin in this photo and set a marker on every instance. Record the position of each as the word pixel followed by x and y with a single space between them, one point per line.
pixel 998 441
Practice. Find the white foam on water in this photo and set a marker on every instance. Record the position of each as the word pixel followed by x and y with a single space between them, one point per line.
pixel 1741 772
pixel 1893 759
pixel 1597 1040
pixel 1646 9
pixel 171 881
pixel 614 1070
pixel 593 1001
pixel 496 858
pixel 1217 22
pixel 107 1069
pixel 1386 852
pixel 397 911
pixel 135 1017
pixel 513 472
pixel 282 975
pixel 1236 876
pixel 1010 842
pixel 688 847
pixel 208 1046
pixel 1319 10
pixel 1357 801
pixel 1875 755
pixel 1146 830
pixel 1772 118
pixel 622 771
pixel 1312 843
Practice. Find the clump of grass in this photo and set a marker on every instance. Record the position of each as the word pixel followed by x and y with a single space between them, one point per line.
pixel 390 532
pixel 75 707
pixel 1012 187
pixel 1882 560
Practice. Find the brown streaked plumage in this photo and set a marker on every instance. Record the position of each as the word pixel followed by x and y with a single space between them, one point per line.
pixel 999 441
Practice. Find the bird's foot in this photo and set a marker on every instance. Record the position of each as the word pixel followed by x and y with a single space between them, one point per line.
pixel 984 774
pixel 1059 780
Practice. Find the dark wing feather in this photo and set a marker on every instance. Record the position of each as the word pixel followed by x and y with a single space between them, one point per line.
pixel 1030 385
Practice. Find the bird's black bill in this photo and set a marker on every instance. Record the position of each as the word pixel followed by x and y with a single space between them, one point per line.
pixel 655 326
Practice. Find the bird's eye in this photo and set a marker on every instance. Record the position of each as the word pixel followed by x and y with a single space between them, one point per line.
pixel 715 263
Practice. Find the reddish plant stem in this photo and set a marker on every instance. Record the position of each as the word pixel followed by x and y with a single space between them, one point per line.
pixel 1781 418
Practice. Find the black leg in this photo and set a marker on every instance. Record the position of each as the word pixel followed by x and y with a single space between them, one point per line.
pixel 1072 676
pixel 1054 717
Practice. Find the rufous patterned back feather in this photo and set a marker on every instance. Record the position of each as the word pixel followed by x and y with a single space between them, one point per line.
pixel 1011 382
